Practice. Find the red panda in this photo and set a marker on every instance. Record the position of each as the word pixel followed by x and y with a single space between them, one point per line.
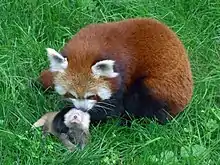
pixel 135 66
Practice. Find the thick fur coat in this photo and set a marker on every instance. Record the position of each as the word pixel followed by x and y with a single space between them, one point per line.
pixel 136 65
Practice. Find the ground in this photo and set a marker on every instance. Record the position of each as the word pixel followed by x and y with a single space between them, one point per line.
pixel 28 27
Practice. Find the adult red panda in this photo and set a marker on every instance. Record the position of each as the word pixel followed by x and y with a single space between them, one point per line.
pixel 136 65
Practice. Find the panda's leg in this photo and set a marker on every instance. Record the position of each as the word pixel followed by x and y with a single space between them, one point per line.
pixel 143 101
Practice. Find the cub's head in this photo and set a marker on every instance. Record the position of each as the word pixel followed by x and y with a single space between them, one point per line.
pixel 82 82
pixel 75 116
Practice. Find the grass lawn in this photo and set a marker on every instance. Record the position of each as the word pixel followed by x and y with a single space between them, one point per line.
pixel 28 27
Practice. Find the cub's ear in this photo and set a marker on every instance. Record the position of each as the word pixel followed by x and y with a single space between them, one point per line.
pixel 104 68
pixel 57 61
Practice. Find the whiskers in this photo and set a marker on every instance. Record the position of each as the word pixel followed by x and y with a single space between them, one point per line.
pixel 104 106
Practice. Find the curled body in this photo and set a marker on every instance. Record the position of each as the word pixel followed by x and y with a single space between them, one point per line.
pixel 135 66
pixel 78 123
pixel 72 128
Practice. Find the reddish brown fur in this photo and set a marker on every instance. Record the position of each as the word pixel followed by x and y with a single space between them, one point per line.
pixel 46 78
pixel 144 47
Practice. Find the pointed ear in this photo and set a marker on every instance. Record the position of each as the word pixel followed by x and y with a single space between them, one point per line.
pixel 104 68
pixel 57 61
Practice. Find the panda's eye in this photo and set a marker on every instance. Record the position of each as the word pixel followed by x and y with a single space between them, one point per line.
pixel 92 97
pixel 69 95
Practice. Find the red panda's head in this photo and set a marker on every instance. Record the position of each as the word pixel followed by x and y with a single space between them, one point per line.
pixel 84 85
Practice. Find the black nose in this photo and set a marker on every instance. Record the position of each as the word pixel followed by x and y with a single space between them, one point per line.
pixel 75 117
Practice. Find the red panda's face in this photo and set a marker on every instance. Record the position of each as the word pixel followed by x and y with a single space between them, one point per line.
pixel 84 87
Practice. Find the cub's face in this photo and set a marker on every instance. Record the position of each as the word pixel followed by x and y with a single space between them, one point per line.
pixel 75 116
pixel 84 87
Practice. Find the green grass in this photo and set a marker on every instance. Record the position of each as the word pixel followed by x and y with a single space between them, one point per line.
pixel 28 27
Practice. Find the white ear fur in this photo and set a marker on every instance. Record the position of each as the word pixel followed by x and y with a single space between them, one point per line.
pixel 104 68
pixel 57 61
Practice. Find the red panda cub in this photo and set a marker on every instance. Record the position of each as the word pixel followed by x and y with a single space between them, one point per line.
pixel 137 67
pixel 71 127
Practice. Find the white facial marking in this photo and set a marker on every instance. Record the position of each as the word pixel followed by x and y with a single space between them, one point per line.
pixel 88 94
pixel 60 90
pixel 57 61
pixel 104 68
pixel 84 103
pixel 104 93
pixel 73 93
